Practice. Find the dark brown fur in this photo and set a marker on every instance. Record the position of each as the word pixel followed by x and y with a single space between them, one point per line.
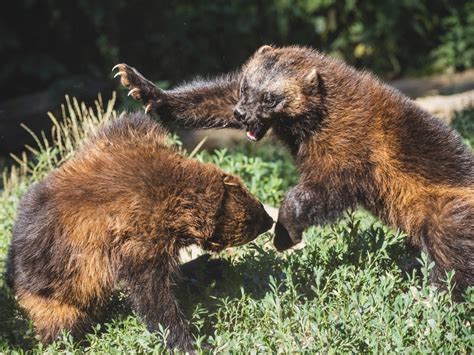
pixel 356 141
pixel 118 213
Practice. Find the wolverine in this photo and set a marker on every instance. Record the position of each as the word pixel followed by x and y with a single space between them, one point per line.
pixel 116 215
pixel 355 140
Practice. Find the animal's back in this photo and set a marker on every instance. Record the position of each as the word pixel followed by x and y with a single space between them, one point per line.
pixel 72 208
pixel 429 148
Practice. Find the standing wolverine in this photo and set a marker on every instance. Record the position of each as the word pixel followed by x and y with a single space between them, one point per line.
pixel 356 141
pixel 118 213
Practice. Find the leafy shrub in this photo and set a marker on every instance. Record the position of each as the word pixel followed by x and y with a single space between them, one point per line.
pixel 464 123
pixel 456 50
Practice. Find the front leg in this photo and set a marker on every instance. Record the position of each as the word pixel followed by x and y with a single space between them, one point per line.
pixel 199 104
pixel 306 205
pixel 150 290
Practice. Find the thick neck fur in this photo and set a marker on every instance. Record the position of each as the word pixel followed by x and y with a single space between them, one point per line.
pixel 341 99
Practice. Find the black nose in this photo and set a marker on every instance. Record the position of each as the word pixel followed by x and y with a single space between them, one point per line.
pixel 239 115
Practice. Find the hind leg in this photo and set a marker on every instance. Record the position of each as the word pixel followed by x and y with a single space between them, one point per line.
pixel 450 258
pixel 50 317
pixel 449 241
pixel 438 272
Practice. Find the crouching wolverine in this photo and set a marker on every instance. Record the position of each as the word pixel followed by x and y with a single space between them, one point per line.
pixel 355 140
pixel 118 213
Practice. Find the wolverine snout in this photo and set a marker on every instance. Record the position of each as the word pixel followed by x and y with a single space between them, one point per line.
pixel 267 222
pixel 266 225
pixel 239 114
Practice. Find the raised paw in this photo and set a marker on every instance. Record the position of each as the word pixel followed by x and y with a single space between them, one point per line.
pixel 139 87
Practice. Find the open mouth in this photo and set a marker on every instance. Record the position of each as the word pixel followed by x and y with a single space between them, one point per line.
pixel 256 133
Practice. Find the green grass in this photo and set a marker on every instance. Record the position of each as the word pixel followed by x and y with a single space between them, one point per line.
pixel 464 123
pixel 353 288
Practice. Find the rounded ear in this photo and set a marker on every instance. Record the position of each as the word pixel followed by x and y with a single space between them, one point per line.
pixel 265 48
pixel 231 180
pixel 311 81
pixel 312 77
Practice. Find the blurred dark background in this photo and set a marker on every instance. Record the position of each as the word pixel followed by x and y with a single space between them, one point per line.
pixel 49 48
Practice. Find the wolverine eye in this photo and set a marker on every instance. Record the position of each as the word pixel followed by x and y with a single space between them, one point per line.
pixel 270 100
pixel 242 88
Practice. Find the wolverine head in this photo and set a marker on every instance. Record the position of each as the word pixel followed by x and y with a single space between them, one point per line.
pixel 276 84
pixel 240 218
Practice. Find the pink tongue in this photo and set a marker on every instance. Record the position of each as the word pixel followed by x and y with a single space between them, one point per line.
pixel 251 135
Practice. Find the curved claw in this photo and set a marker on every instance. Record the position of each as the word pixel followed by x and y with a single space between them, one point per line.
pixel 131 91
pixel 115 67
pixel 147 108
pixel 119 73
